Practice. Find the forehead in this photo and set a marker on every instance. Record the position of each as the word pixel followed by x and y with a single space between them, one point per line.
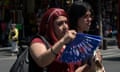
pixel 88 12
pixel 61 18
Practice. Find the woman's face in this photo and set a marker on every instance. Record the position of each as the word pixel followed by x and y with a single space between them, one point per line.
pixel 60 26
pixel 84 22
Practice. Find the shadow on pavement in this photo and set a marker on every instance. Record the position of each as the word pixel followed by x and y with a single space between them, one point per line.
pixel 112 59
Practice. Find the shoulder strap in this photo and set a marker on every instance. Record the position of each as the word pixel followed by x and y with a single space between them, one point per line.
pixel 47 46
pixel 45 41
pixel 43 38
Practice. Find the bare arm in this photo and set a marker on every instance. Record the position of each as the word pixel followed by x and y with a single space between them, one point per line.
pixel 44 56
pixel 82 68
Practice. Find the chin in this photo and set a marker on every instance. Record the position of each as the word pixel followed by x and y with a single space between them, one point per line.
pixel 88 29
pixel 85 31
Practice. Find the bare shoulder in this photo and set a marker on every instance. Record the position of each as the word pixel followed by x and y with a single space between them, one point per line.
pixel 37 48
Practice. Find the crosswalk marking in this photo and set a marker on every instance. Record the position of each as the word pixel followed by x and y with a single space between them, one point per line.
pixel 112 55
pixel 114 52
pixel 8 58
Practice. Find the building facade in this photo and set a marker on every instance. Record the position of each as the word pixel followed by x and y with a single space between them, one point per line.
pixel 25 14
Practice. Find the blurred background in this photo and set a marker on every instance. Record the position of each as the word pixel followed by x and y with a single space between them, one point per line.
pixel 27 15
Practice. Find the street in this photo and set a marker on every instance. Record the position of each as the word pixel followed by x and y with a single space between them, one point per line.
pixel 6 63
pixel 111 59
pixel 6 60
pixel 112 64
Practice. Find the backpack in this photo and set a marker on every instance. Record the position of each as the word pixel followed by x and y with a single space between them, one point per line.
pixel 22 62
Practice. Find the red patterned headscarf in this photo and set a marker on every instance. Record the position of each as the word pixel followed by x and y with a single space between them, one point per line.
pixel 47 21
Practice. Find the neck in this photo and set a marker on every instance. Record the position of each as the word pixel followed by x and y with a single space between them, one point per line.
pixel 80 31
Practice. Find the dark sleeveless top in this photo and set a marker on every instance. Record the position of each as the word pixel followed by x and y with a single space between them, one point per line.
pixel 55 66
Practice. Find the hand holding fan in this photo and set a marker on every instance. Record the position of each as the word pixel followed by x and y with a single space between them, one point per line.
pixel 81 48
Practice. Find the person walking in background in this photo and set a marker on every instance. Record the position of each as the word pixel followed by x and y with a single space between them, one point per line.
pixel 80 16
pixel 54 26
pixel 13 38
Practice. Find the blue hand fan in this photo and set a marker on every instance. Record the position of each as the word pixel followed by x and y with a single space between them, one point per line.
pixel 81 48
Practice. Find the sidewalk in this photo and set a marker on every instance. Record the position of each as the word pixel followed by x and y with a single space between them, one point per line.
pixel 5 48
pixel 111 44
pixel 108 47
pixel 5 52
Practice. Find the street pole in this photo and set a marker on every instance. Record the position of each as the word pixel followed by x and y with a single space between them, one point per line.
pixel 118 25
pixel 103 42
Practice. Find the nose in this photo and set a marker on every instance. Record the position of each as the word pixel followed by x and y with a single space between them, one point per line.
pixel 90 18
pixel 65 26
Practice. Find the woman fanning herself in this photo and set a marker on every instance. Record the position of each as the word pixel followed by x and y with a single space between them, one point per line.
pixel 54 27
pixel 80 15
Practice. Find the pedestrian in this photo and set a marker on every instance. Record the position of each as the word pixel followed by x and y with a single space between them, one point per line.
pixel 13 38
pixel 54 27
pixel 80 16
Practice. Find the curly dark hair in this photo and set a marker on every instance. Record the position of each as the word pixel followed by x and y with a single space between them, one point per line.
pixel 76 11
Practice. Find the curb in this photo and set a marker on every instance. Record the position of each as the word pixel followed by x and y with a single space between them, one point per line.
pixel 108 47
pixel 5 48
